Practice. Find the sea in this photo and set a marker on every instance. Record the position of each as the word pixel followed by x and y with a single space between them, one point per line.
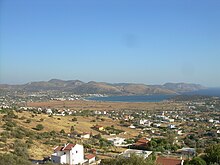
pixel 215 92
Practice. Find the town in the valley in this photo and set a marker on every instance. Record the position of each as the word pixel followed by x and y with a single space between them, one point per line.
pixel 69 129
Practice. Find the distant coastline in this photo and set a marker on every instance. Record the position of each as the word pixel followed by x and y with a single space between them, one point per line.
pixel 215 92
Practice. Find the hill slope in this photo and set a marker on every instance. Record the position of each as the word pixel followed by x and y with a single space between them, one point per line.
pixel 92 87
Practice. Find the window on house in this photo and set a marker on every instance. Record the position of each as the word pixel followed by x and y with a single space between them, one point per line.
pixel 64 153
pixel 76 151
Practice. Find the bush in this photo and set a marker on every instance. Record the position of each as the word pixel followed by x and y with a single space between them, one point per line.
pixel 197 161
pixel 133 160
pixel 41 119
pixel 39 127
pixel 17 133
pixel 22 118
pixel 213 154
pixel 5 134
pixel 20 149
pixel 10 124
pixel 3 139
pixel 11 159
pixel 74 119
pixel 28 121
pixel 62 131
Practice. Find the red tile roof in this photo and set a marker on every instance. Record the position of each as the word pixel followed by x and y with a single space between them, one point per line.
pixel 90 156
pixel 85 133
pixel 58 148
pixel 69 146
pixel 62 148
pixel 98 126
pixel 141 142
pixel 168 161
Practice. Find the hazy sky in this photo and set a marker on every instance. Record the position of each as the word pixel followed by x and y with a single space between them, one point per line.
pixel 144 41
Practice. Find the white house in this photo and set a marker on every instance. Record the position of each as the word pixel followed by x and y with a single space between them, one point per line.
pixel 117 141
pixel 69 154
pixel 171 126
pixel 90 158
pixel 49 111
pixel 145 122
pixel 85 135
pixel 127 153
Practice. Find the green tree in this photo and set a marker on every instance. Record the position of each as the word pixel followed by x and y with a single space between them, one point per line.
pixel 62 131
pixel 74 119
pixel 72 129
pixel 213 154
pixel 11 159
pixel 132 160
pixel 196 161
pixel 20 149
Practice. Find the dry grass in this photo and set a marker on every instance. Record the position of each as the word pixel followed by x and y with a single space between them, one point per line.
pixel 105 106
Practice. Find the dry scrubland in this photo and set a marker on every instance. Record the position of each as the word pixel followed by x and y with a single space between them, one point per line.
pixel 83 124
pixel 105 106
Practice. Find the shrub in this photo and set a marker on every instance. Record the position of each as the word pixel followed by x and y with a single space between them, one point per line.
pixel 20 149
pixel 28 121
pixel 39 127
pixel 10 124
pixel 62 131
pixel 74 119
pixel 197 161
pixel 22 118
pixel 41 119
pixel 12 159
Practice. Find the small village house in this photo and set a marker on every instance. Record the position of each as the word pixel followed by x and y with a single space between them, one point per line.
pixel 117 141
pixel 90 158
pixel 99 127
pixel 127 153
pixel 68 154
pixel 169 161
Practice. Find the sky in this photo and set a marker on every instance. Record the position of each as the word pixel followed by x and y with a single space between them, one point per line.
pixel 138 41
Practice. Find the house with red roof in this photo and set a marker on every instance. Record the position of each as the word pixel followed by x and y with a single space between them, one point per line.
pixel 141 143
pixel 90 158
pixel 169 161
pixel 68 154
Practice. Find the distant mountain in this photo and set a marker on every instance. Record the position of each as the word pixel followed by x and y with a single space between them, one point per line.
pixel 92 87
pixel 183 87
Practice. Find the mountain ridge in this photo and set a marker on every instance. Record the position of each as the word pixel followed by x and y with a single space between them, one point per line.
pixel 93 87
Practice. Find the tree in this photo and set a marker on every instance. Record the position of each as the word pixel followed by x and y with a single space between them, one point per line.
pixel 62 131
pixel 72 129
pixel 213 154
pixel 132 160
pixel 12 159
pixel 196 161
pixel 20 149
pixel 74 119
pixel 39 127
